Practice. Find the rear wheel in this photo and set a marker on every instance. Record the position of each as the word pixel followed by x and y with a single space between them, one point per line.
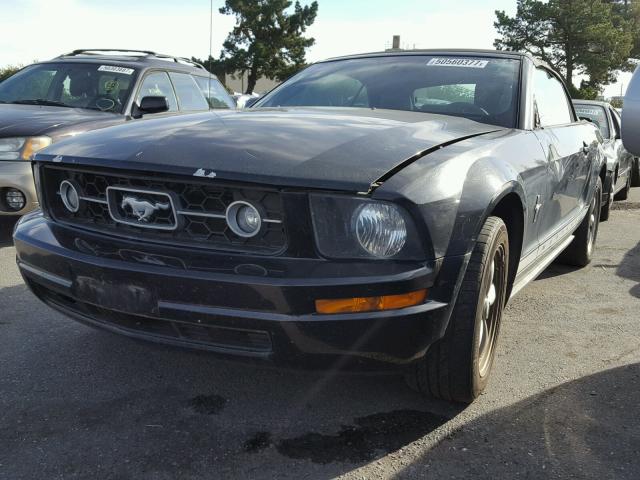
pixel 580 250
pixel 635 172
pixel 457 367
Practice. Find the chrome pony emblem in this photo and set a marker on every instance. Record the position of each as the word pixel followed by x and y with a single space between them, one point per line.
pixel 142 209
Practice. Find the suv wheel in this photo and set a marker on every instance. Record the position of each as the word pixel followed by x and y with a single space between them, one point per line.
pixel 457 367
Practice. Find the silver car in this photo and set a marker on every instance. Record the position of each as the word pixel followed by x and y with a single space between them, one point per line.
pixel 619 161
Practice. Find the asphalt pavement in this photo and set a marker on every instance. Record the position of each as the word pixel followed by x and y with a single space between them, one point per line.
pixel 563 400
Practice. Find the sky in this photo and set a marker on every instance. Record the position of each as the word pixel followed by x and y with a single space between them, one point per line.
pixel 42 29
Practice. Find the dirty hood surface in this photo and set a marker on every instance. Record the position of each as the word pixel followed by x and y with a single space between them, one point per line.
pixel 334 148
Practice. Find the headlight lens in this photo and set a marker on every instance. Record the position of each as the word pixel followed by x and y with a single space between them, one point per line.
pixel 380 229
pixel 21 148
pixel 348 227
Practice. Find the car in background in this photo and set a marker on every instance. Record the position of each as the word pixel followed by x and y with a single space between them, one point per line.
pixel 86 90
pixel 245 100
pixel 619 161
pixel 376 211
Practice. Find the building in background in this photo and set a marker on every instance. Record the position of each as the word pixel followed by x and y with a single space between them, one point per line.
pixel 238 83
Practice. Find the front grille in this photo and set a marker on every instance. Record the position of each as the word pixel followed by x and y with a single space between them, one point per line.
pixel 187 212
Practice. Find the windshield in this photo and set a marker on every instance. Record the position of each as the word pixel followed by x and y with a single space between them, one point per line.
pixel 596 114
pixel 482 89
pixel 76 85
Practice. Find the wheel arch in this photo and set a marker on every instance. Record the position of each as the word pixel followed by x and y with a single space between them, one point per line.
pixel 509 204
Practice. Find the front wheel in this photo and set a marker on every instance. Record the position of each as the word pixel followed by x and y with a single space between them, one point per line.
pixel 635 172
pixel 457 367
pixel 605 211
pixel 624 193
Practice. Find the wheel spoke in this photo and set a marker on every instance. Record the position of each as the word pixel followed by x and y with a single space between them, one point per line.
pixel 490 316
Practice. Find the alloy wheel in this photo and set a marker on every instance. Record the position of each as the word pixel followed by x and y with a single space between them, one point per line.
pixel 491 311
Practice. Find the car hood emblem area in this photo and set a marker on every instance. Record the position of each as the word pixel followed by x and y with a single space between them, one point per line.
pixel 142 208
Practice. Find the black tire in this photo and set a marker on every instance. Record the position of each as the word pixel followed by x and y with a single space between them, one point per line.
pixel 580 250
pixel 455 368
pixel 635 172
pixel 624 193
pixel 605 211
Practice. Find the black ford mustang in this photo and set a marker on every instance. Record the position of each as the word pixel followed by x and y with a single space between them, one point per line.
pixel 374 210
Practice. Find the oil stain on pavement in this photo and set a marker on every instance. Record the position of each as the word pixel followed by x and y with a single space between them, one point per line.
pixel 371 436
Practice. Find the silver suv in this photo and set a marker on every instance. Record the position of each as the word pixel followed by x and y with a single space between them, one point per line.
pixel 86 90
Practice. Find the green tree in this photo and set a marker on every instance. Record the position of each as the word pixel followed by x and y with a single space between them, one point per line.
pixel 593 38
pixel 6 72
pixel 617 102
pixel 267 39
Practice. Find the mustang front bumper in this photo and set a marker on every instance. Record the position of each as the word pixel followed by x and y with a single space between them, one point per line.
pixel 260 307
pixel 17 175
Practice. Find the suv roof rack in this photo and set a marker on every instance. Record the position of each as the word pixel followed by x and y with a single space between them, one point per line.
pixel 146 54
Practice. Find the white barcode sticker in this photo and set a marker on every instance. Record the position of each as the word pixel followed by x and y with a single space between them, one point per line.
pixel 114 69
pixel 589 111
pixel 458 62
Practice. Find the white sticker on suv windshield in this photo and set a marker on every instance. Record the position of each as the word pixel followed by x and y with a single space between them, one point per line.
pixel 458 62
pixel 113 69
pixel 589 111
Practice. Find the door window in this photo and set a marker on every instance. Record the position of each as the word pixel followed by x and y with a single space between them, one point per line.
pixel 215 93
pixel 551 101
pixel 158 85
pixel 190 98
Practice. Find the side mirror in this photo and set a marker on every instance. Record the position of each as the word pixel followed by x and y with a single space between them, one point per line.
pixel 251 102
pixel 631 116
pixel 150 105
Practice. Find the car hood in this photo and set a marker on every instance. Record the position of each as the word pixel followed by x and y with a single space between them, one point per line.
pixel 28 120
pixel 343 149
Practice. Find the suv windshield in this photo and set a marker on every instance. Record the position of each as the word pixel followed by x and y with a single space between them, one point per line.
pixel 76 85
pixel 483 89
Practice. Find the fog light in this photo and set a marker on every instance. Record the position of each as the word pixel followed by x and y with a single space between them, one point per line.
pixel 70 196
pixel 15 199
pixel 244 219
pixel 371 304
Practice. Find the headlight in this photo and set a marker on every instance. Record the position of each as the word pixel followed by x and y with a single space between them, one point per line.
pixel 347 227
pixel 380 229
pixel 21 148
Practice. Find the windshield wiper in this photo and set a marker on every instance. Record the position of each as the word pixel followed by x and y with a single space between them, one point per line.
pixel 40 101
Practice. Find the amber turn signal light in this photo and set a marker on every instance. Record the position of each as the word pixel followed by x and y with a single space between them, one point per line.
pixel 371 304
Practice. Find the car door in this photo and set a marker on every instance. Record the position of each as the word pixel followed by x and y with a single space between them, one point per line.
pixel 624 158
pixel 562 139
